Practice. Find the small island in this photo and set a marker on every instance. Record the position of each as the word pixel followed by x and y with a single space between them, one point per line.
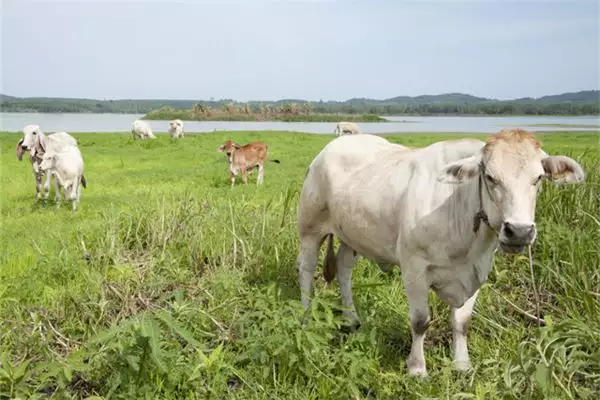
pixel 251 112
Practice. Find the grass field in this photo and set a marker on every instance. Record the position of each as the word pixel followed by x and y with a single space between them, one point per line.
pixel 166 283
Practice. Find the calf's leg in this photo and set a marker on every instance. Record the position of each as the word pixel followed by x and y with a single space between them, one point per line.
pixel 57 187
pixel 38 185
pixel 261 174
pixel 48 175
pixel 417 288
pixel 460 318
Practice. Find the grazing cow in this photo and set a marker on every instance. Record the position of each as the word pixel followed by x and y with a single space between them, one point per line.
pixel 141 129
pixel 67 165
pixel 346 128
pixel 438 212
pixel 176 128
pixel 243 159
pixel 37 143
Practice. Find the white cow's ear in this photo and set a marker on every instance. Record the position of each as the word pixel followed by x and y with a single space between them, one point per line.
pixel 562 169
pixel 461 171
pixel 20 150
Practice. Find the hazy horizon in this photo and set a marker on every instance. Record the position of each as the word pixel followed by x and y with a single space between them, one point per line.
pixel 309 50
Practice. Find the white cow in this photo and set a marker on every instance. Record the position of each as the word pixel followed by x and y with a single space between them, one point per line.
pixel 176 128
pixel 141 129
pixel 345 128
pixel 68 166
pixel 37 144
pixel 438 212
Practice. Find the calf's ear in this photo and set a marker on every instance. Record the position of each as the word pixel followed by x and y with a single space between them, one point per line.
pixel 237 146
pixel 460 171
pixel 562 169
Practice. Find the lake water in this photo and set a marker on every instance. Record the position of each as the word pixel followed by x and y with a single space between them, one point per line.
pixel 122 123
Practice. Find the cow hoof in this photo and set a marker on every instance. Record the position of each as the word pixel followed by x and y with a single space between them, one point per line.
pixel 462 366
pixel 420 372
pixel 416 368
pixel 350 327
pixel 386 268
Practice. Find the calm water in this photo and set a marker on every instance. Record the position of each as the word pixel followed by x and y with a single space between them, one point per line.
pixel 122 123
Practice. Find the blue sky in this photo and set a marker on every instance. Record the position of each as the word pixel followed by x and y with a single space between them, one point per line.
pixel 310 49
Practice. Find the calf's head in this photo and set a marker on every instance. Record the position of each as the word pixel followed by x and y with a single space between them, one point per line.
pixel 228 147
pixel 48 161
pixel 508 170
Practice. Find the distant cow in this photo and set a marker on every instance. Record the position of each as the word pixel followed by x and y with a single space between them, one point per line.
pixel 176 128
pixel 346 128
pixel 439 212
pixel 243 159
pixel 141 129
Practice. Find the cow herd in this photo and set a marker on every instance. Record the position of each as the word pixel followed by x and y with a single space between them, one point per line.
pixel 439 212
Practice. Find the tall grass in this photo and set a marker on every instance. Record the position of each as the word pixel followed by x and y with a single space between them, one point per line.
pixel 168 284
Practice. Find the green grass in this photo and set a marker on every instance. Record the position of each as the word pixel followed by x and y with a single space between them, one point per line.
pixel 168 284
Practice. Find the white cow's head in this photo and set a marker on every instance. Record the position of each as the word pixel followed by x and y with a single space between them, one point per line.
pixel 32 138
pixel 509 169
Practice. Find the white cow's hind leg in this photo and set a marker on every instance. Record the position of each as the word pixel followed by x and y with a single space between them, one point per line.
pixel 307 263
pixel 74 194
pixel 345 260
pixel 460 318
pixel 417 288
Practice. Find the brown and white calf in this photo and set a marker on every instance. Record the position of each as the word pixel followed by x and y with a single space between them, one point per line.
pixel 439 212
pixel 243 159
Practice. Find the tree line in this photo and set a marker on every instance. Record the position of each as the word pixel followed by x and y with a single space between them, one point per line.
pixel 583 103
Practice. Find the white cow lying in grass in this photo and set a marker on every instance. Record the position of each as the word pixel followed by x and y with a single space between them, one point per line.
pixel 438 212
pixel 346 128
pixel 141 129
pixel 38 144
pixel 176 128
pixel 68 166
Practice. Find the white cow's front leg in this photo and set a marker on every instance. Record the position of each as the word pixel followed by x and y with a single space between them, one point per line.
pixel 345 260
pixel 416 288
pixel 460 320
